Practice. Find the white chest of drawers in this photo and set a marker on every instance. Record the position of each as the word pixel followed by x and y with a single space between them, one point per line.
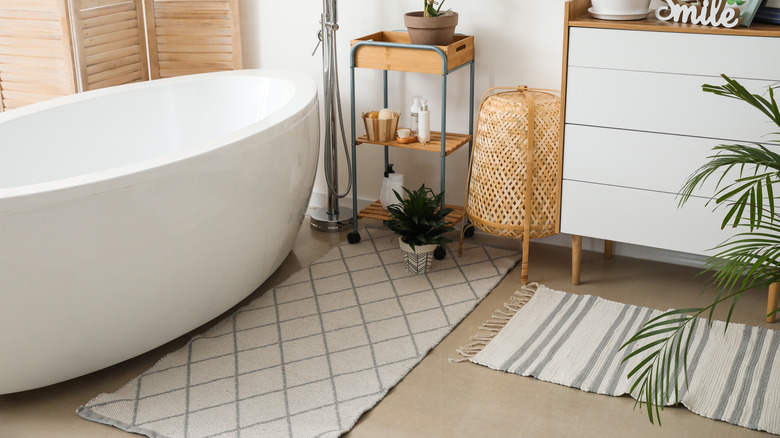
pixel 637 124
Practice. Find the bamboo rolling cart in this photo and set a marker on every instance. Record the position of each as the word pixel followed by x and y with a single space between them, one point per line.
pixel 392 51
pixel 514 183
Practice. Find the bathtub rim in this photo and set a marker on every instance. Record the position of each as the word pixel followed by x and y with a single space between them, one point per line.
pixel 298 108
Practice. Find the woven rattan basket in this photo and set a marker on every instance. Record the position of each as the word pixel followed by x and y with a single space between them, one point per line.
pixel 514 181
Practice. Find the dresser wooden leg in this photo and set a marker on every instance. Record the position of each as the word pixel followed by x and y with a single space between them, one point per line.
pixel 608 247
pixel 576 259
pixel 771 304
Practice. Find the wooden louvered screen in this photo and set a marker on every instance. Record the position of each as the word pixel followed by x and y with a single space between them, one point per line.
pixel 36 58
pixel 52 48
pixel 192 36
pixel 111 42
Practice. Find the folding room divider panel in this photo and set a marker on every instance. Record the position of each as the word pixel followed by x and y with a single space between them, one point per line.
pixel 52 48
pixel 188 37
pixel 110 42
pixel 36 59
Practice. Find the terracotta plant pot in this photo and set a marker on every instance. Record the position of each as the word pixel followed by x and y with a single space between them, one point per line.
pixel 419 259
pixel 436 31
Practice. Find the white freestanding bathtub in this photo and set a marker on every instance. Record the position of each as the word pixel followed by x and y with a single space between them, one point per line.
pixel 132 215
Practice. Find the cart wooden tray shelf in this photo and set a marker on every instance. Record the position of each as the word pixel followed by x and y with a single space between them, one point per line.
pixel 376 211
pixel 453 143
pixel 378 57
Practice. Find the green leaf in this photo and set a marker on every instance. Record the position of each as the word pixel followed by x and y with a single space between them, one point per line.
pixel 645 360
pixel 651 334
pixel 691 330
pixel 639 380
pixel 649 326
pixel 677 371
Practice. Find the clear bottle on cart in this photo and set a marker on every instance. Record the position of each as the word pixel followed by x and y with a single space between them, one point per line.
pixel 413 114
pixel 424 122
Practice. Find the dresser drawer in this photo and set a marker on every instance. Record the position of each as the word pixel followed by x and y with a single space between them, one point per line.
pixel 641 217
pixel 744 57
pixel 664 103
pixel 642 160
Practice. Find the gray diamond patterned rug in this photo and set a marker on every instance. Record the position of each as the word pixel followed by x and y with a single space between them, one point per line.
pixel 309 357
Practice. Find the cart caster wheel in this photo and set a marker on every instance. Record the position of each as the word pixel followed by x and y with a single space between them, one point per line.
pixel 469 232
pixel 353 238
pixel 439 253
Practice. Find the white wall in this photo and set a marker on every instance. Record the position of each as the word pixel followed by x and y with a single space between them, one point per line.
pixel 517 42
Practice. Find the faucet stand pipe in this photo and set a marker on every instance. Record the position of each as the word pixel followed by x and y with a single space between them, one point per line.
pixel 332 218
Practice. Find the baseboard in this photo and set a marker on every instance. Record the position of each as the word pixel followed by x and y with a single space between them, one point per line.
pixel 320 199
pixel 629 250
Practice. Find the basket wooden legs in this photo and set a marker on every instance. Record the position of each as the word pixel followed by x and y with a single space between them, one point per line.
pixel 526 251
pixel 608 247
pixel 463 227
pixel 771 304
pixel 576 259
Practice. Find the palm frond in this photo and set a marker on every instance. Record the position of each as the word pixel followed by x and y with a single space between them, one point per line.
pixel 746 175
pixel 758 169
pixel 666 358
pixel 734 90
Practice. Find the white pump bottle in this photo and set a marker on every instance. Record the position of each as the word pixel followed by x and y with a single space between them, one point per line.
pixel 424 121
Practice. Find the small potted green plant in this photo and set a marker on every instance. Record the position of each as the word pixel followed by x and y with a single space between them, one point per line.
pixel 431 26
pixel 420 223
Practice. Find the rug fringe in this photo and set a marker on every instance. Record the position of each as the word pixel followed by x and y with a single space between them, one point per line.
pixel 490 328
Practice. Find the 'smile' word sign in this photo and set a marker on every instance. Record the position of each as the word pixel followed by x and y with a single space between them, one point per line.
pixel 707 12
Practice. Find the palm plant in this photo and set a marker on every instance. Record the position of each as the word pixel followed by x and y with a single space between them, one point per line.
pixel 750 259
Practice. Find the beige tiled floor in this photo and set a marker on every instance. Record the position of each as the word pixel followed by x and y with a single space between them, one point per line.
pixel 440 399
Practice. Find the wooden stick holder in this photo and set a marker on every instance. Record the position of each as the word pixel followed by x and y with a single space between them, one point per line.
pixel 381 129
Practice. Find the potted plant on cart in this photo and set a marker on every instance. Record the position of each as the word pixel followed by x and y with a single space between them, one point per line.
pixel 431 26
pixel 420 223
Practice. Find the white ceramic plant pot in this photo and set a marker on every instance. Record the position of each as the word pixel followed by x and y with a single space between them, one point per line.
pixel 419 259
pixel 620 7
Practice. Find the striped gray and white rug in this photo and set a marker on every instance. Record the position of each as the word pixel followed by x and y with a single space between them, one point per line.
pixel 307 358
pixel 573 340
